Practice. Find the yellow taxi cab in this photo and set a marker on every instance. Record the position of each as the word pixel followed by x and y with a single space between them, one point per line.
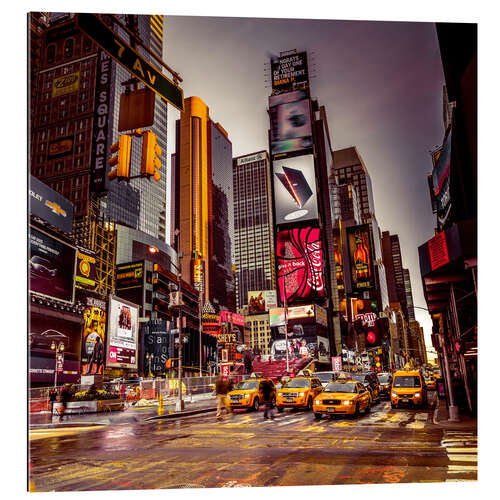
pixel 298 392
pixel 408 387
pixel 342 397
pixel 430 382
pixel 248 394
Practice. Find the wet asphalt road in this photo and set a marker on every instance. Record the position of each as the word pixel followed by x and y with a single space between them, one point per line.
pixel 385 446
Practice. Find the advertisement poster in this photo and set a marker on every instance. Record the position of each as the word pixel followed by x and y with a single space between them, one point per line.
pixel 295 195
pixel 52 266
pixel 122 333
pixel 261 301
pixel 158 346
pixel 66 84
pixel 85 269
pixel 360 255
pixel 49 205
pixel 299 255
pixel 232 329
pixel 441 181
pixel 45 331
pixel 302 343
pixel 290 118
pixel 94 337
pixel 289 73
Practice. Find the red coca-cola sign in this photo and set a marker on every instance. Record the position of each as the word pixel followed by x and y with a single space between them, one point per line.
pixel 300 264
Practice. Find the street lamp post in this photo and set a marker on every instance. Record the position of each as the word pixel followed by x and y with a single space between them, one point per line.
pixel 286 327
pixel 57 348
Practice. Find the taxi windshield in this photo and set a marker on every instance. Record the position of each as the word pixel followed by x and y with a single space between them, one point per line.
pixel 340 387
pixel 325 377
pixel 407 381
pixel 247 385
pixel 296 383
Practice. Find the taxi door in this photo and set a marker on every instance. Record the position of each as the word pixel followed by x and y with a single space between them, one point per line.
pixel 364 396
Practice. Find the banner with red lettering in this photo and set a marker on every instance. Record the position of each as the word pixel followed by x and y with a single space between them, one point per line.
pixel 300 264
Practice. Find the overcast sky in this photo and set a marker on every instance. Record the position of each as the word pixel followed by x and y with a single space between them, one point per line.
pixel 381 84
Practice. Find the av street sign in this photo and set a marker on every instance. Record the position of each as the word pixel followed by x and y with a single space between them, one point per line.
pixel 130 59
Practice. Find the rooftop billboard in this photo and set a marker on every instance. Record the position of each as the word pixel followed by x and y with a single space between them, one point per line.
pixel 289 73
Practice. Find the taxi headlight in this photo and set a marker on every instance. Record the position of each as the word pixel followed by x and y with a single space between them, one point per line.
pixel 417 394
pixel 280 394
pixel 347 402
pixel 302 394
pixel 394 395
pixel 317 402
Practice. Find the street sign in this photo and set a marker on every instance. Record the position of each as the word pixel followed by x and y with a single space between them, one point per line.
pixel 130 59
pixel 60 361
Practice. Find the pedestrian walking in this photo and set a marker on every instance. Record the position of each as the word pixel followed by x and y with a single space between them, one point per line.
pixel 65 396
pixel 220 392
pixel 52 399
pixel 267 397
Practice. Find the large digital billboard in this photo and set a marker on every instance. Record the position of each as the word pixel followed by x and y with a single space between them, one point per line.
pixel 158 345
pixel 290 117
pixel 123 323
pixel 299 254
pixel 360 258
pixel 52 266
pixel 295 195
pixel 94 336
pixel 45 331
pixel 289 73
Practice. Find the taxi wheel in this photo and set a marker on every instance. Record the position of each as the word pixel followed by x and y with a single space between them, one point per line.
pixel 255 405
pixel 356 411
pixel 317 416
pixel 393 405
pixel 280 409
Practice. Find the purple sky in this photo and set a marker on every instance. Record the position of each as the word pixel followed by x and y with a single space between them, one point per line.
pixel 381 84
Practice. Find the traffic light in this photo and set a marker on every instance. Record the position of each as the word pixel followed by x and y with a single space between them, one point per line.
pixel 151 154
pixel 122 159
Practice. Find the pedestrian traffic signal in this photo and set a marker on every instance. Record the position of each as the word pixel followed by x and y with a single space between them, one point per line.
pixel 122 159
pixel 151 154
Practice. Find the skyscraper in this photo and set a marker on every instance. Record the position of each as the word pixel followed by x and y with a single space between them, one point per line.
pixel 75 121
pixel 409 295
pixel 140 204
pixel 253 235
pixel 203 213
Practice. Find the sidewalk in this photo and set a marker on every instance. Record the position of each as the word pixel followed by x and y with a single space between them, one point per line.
pixel 140 412
pixel 441 416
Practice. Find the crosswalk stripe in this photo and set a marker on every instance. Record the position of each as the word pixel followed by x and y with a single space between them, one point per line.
pixel 461 450
pixel 454 467
pixel 462 458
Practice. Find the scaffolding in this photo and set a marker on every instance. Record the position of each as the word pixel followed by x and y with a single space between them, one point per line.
pixel 94 233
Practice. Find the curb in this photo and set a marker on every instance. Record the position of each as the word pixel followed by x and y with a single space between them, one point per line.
pixel 67 425
pixel 181 414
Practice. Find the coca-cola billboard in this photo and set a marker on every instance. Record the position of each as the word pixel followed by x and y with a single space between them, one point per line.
pixel 299 255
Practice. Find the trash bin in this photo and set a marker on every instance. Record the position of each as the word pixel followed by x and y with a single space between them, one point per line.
pixel 441 391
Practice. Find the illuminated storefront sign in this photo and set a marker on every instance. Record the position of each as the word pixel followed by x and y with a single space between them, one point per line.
pixel 360 256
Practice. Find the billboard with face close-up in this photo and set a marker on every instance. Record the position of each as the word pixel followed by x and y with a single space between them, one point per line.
pixel 299 254
pixel 295 195
pixel 52 266
pixel 290 117
pixel 123 328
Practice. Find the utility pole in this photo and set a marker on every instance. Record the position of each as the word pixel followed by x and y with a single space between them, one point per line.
pixel 286 327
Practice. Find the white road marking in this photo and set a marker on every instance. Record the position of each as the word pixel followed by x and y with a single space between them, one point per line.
pixel 462 458
pixel 461 467
pixel 461 450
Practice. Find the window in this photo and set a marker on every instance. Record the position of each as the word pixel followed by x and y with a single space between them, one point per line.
pixel 51 53
pixel 68 47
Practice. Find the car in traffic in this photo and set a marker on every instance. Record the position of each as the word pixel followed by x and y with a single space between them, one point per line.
pixel 385 380
pixel 370 381
pixel 430 382
pixel 408 388
pixel 347 397
pixel 327 377
pixel 45 339
pixel 248 394
pixel 298 392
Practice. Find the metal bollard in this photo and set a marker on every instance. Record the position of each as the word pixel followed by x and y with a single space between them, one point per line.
pixel 161 409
